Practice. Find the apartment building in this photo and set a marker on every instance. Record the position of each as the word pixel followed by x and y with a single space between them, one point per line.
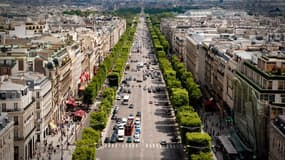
pixel 27 29
pixel 277 138
pixel 12 60
pixel 258 94
pixel 216 44
pixel 41 88
pixel 6 137
pixel 18 101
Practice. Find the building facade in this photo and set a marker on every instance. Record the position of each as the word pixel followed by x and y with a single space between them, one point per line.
pixel 258 94
pixel 277 138
pixel 6 137
pixel 18 101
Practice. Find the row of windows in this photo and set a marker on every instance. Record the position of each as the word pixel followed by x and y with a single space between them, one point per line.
pixel 278 146
pixel 266 84
pixel 4 107
pixel 256 78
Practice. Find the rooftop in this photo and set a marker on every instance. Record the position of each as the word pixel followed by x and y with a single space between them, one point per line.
pixel 11 86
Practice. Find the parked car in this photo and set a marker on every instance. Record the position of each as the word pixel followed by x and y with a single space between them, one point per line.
pixel 113 138
pixel 137 140
pixel 129 140
pixel 138 114
pixel 163 142
pixel 131 106
pixel 107 140
pixel 131 116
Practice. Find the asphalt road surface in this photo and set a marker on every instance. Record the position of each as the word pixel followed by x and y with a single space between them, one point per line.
pixel 157 119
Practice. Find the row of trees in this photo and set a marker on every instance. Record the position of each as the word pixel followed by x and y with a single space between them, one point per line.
pixel 183 91
pixel 112 66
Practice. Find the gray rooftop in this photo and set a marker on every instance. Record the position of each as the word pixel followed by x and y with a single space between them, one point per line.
pixel 10 86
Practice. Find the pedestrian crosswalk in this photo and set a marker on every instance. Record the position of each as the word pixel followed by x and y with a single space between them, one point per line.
pixel 139 145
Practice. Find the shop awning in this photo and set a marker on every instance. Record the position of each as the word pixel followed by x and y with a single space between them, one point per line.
pixel 72 102
pixel 79 113
pixel 237 142
pixel 227 145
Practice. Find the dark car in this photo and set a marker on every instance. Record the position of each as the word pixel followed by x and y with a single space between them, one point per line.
pixel 114 117
pixel 107 140
pixel 129 140
pixel 175 139
pixel 131 106
pixel 139 114
pixel 163 142
pixel 113 138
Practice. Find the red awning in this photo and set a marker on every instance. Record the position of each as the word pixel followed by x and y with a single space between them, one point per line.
pixel 71 101
pixel 84 77
pixel 79 113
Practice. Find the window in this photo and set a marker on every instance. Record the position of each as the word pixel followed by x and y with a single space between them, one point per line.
pixel 16 134
pixel 281 84
pixel 15 106
pixel 38 115
pixel 3 107
pixel 16 120
pixel 38 95
pixel 38 105
pixel 272 98
pixel 282 98
pixel 20 65
pixel 269 85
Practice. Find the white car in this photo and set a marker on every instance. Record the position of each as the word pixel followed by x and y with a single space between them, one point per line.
pixel 120 138
pixel 137 140
pixel 118 97
pixel 137 122
pixel 131 116
pixel 124 120
pixel 137 135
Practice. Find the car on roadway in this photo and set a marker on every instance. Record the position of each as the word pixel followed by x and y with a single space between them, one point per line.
pixel 139 114
pixel 118 97
pixel 120 138
pixel 136 135
pixel 137 140
pixel 131 106
pixel 113 138
pixel 129 140
pixel 138 129
pixel 163 142
pixel 150 102
pixel 114 117
pixel 175 139
pixel 116 107
pixel 107 140
pixel 124 120
pixel 131 116
pixel 137 121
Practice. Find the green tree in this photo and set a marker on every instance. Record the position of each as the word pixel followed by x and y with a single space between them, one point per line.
pixel 85 150
pixel 179 97
pixel 87 95
pixel 113 79
pixel 202 156
pixel 90 133
pixel 198 142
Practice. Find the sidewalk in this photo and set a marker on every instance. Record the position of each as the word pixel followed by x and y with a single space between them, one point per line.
pixel 57 147
pixel 215 126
